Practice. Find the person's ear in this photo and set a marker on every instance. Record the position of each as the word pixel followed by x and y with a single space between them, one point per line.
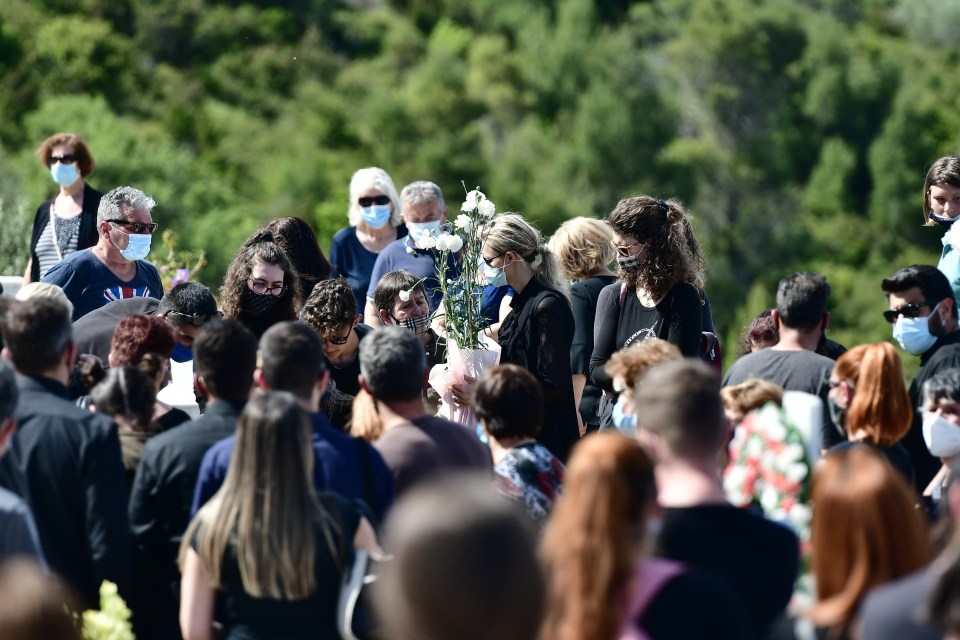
pixel 70 354
pixel 259 380
pixel 446 211
pixel 356 320
pixel 199 385
pixel 384 317
pixel 365 386
pixel 775 319
pixel 826 321
pixel 322 382
pixel 946 310
pixel 111 361
pixel 5 354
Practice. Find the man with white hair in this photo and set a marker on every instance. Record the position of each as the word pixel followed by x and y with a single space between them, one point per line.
pixel 114 268
pixel 424 212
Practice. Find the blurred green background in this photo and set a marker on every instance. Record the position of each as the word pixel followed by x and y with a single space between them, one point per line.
pixel 798 132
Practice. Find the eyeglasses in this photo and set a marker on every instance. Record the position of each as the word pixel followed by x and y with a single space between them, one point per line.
pixel 909 310
pixel 262 288
pixel 489 261
pixel 67 158
pixel 196 320
pixel 368 201
pixel 340 340
pixel 136 227
pixel 625 249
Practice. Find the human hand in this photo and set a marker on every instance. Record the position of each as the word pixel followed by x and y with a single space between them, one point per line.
pixel 461 392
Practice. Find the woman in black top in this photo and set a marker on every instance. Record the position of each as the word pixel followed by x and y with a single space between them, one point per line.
pixel 67 222
pixel 265 556
pixel 584 247
pixel 661 271
pixel 260 288
pixel 537 334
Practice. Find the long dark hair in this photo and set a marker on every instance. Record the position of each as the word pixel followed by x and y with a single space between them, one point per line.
pixel 234 286
pixel 299 242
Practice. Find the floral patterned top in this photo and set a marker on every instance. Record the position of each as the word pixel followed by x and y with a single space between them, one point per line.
pixel 531 475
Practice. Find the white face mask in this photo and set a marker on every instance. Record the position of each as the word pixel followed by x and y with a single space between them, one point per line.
pixel 941 436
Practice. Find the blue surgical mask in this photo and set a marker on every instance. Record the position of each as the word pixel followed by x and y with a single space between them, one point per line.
pixel 914 335
pixel 494 275
pixel 181 353
pixel 625 422
pixel 64 174
pixel 138 246
pixel 481 433
pixel 416 229
pixel 375 216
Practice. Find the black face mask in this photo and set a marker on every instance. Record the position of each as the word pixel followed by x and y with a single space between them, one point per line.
pixel 946 223
pixel 258 304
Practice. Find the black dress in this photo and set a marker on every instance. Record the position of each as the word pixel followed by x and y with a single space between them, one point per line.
pixel 584 295
pixel 537 335
pixel 86 237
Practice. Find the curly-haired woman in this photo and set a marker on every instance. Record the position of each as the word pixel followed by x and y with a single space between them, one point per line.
pixel 661 272
pixel 260 287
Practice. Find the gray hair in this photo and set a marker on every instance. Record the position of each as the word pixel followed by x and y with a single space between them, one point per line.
pixel 422 192
pixel 392 362
pixel 372 178
pixel 118 201
pixel 8 391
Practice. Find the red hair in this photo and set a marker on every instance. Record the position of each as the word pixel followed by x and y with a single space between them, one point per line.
pixel 137 335
pixel 880 405
pixel 589 547
pixel 865 532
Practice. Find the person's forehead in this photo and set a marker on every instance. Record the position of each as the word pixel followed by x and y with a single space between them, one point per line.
pixel 62 149
pixel 900 298
pixel 137 215
pixel 265 271
pixel 944 190
pixel 623 240
pixel 422 211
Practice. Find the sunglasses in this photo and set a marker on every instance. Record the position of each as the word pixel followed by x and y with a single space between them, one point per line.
pixel 136 227
pixel 369 201
pixel 67 158
pixel 909 310
pixel 489 261
pixel 197 320
pixel 624 250
pixel 340 341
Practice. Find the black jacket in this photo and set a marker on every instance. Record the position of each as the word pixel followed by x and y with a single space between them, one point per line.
pixel 87 236
pixel 160 512
pixel 65 463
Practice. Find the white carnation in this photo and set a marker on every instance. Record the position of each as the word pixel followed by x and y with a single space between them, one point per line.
pixel 464 223
pixel 486 208
pixel 473 199
pixel 404 295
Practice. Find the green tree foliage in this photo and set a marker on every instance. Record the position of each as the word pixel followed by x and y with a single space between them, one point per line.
pixel 797 133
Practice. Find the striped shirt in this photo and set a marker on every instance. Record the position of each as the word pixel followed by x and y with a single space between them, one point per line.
pixel 59 239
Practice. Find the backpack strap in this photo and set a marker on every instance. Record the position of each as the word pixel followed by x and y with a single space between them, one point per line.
pixel 649 578
pixel 667 316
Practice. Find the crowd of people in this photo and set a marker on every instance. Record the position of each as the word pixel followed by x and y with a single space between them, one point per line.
pixel 587 502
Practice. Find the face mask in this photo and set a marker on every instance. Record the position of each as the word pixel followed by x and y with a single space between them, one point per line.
pixel 625 422
pixel 138 246
pixel 628 262
pixel 416 229
pixel 417 325
pixel 257 304
pixel 941 436
pixel 836 414
pixel 181 353
pixel 375 216
pixel 914 335
pixel 941 220
pixel 64 174
pixel 481 433
pixel 494 275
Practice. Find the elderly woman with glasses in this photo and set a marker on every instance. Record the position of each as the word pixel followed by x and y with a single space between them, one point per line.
pixel 66 222
pixel 260 287
pixel 374 215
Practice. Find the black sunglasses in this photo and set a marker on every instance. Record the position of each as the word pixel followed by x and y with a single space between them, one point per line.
pixel 372 200
pixel 341 340
pixel 909 310
pixel 136 227
pixel 488 261
pixel 67 158
pixel 198 320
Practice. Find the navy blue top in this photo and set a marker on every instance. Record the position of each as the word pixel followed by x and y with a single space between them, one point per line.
pixel 337 467
pixel 352 261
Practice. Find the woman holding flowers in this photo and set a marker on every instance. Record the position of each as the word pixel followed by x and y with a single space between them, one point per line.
pixel 537 334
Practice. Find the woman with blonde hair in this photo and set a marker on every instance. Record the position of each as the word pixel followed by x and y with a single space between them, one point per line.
pixel 869 402
pixel 602 585
pixel 584 247
pixel 865 532
pixel 537 334
pixel 374 216
pixel 267 550
pixel 661 269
